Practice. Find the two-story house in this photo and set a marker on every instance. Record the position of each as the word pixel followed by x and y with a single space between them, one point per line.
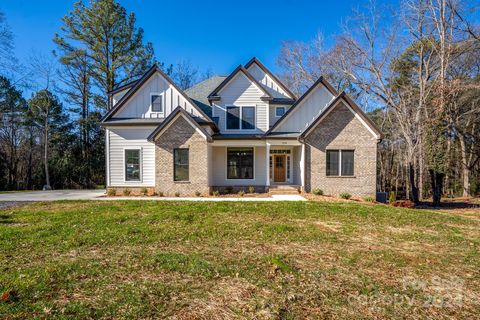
pixel 247 129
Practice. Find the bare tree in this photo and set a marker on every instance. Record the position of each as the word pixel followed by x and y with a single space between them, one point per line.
pixel 44 67
pixel 185 74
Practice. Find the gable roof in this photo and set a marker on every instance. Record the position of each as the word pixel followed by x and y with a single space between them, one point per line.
pixel 181 112
pixel 353 107
pixel 214 94
pixel 269 73
pixel 320 80
pixel 155 68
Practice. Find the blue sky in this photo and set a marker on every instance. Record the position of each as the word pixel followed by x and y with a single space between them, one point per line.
pixel 211 34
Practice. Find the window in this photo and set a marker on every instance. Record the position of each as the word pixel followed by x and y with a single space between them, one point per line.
pixel 248 118
pixel 279 111
pixel 132 165
pixel 180 164
pixel 156 101
pixel 340 162
pixel 288 168
pixel 240 118
pixel 239 163
pixel 233 117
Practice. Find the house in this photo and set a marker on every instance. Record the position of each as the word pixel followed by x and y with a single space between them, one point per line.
pixel 246 129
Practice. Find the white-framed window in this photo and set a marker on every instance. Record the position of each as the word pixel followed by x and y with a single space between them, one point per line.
pixel 340 163
pixel 156 102
pixel 133 164
pixel 279 111
pixel 240 117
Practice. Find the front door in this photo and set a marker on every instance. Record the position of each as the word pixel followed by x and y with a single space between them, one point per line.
pixel 279 168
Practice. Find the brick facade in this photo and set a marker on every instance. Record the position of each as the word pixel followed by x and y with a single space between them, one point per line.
pixel 341 130
pixel 181 134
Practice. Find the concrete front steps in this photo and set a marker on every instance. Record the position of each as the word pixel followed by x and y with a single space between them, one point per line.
pixel 283 189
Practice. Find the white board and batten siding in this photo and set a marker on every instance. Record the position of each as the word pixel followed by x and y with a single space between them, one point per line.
pixel 139 105
pixel 269 84
pixel 123 138
pixel 117 96
pixel 240 91
pixel 306 111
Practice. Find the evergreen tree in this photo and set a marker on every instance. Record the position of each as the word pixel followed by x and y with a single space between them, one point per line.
pixel 111 41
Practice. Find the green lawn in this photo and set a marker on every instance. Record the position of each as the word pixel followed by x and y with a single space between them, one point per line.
pixel 228 260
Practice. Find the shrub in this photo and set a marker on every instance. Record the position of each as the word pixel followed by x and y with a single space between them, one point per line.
pixel 197 193
pixel 229 189
pixel 144 191
pixel 215 193
pixel 251 189
pixel 112 192
pixel 345 195
pixel 160 193
pixel 369 199
pixel 392 197
pixel 177 194
pixel 127 192
pixel 317 192
pixel 241 193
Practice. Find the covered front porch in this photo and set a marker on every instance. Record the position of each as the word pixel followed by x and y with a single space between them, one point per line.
pixel 263 164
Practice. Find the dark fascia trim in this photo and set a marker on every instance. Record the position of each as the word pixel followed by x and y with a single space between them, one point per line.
pixel 274 77
pixel 177 111
pixel 122 87
pixel 282 101
pixel 320 80
pixel 355 108
pixel 139 84
pixel 214 94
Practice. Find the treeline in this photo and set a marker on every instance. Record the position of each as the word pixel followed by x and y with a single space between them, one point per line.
pixel 418 66
pixel 52 139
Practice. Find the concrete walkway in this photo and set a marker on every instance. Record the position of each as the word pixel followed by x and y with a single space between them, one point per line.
pixel 55 195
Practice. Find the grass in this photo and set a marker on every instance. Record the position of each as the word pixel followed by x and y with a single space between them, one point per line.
pixel 224 260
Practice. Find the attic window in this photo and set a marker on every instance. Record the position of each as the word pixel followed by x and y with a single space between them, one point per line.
pixel 156 103
pixel 279 111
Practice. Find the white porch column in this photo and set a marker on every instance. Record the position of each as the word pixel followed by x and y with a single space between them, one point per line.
pixel 302 167
pixel 267 161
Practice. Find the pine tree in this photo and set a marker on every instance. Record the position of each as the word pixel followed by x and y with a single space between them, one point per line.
pixel 111 41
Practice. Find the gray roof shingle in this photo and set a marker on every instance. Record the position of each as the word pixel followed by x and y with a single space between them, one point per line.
pixel 199 92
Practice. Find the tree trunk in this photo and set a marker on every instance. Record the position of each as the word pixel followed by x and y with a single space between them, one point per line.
pixel 413 187
pixel 437 186
pixel 465 168
pixel 45 156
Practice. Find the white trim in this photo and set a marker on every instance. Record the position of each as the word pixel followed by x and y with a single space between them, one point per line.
pixel 267 160
pixel 302 167
pixel 107 148
pixel 288 159
pixel 278 107
pixel 157 113
pixel 141 165
pixel 226 163
pixel 241 106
